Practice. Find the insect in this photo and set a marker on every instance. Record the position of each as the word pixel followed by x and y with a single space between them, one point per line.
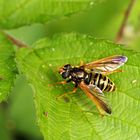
pixel 92 79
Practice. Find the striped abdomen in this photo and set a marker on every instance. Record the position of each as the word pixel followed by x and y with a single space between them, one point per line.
pixel 103 82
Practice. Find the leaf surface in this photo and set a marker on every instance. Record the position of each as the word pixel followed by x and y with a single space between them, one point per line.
pixel 75 116
pixel 7 67
pixel 15 13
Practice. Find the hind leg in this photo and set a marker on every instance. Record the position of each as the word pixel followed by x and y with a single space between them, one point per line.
pixel 71 92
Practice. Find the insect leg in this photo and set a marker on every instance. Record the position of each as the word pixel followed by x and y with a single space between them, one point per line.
pixel 62 82
pixel 71 92
pixel 81 63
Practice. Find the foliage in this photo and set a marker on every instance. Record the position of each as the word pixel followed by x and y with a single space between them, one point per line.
pixel 40 65
pixel 40 11
pixel 8 69
pixel 66 34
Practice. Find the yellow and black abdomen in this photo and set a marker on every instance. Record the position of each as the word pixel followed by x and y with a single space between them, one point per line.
pixel 102 82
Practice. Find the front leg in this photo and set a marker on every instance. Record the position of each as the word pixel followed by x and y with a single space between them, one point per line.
pixel 61 83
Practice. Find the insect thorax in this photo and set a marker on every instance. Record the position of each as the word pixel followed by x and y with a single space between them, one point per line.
pixel 77 74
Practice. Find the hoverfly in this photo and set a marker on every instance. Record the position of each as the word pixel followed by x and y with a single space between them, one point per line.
pixel 92 79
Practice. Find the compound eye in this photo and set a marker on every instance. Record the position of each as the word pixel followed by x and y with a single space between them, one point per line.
pixel 65 75
pixel 66 67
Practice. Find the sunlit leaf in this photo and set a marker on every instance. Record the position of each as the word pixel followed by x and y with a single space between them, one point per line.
pixel 75 117
pixel 15 13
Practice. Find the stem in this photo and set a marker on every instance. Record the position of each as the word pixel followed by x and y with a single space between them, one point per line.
pixel 125 19
pixel 18 43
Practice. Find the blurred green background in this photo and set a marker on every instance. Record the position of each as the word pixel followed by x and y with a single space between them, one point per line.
pixel 18 119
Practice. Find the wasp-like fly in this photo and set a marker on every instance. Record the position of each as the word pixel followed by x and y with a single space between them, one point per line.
pixel 92 79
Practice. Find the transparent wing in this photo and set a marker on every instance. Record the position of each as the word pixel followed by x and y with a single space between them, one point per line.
pixel 107 64
pixel 97 96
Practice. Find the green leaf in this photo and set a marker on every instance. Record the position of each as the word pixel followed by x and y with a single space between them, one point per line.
pixel 15 13
pixel 75 116
pixel 21 103
pixel 7 67
pixel 102 20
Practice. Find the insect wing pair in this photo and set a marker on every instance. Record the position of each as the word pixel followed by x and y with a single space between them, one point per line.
pixel 103 66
